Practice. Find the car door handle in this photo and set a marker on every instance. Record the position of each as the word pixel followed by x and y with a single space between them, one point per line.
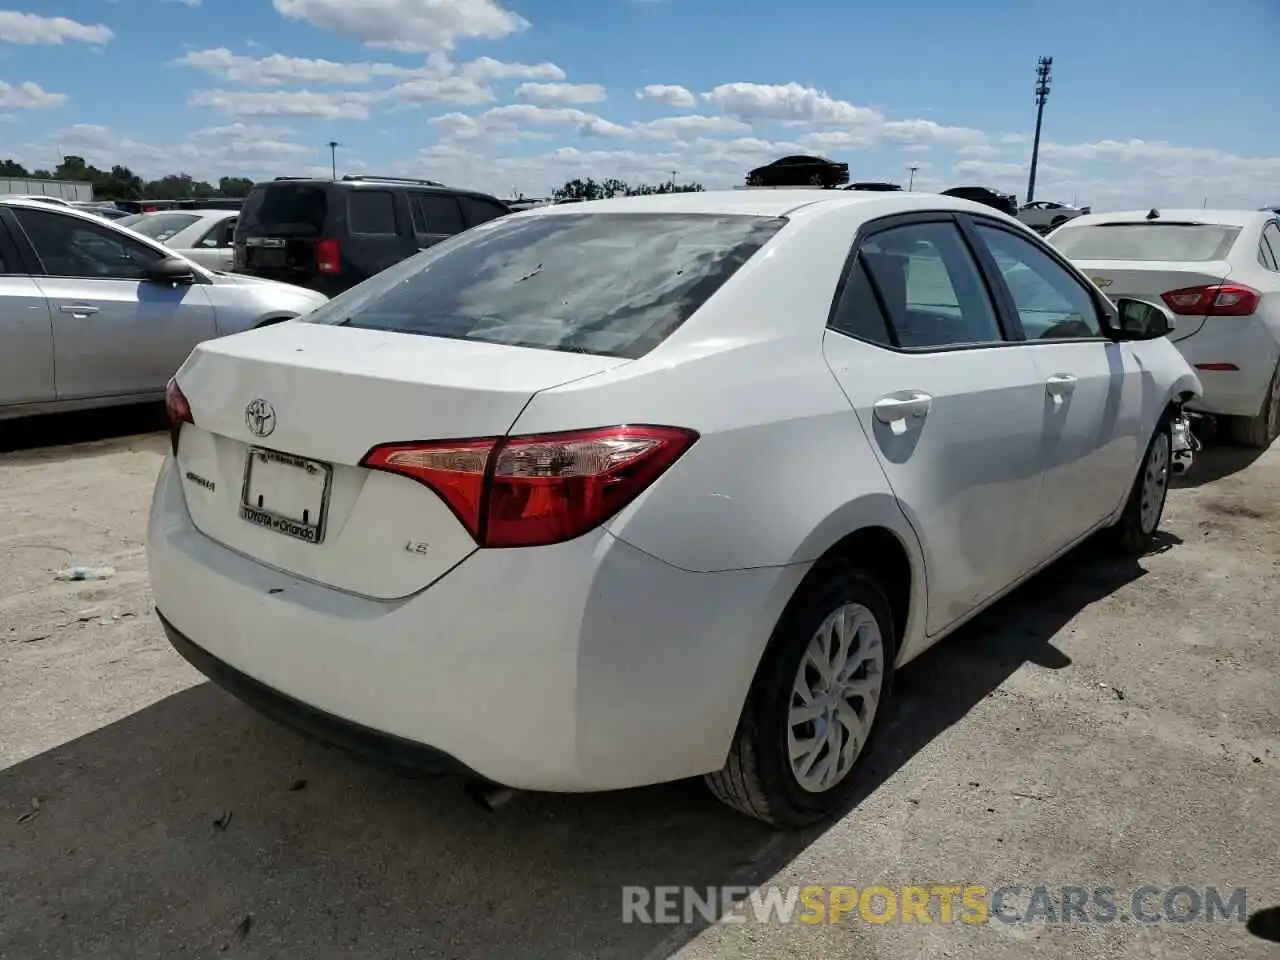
pixel 899 409
pixel 78 309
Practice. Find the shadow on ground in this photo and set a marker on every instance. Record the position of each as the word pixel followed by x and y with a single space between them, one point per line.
pixel 34 433
pixel 1217 460
pixel 330 857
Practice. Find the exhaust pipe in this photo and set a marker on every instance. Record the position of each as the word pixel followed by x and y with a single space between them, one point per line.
pixel 488 795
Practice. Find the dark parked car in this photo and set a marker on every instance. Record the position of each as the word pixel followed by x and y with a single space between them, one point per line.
pixel 1004 202
pixel 799 171
pixel 330 235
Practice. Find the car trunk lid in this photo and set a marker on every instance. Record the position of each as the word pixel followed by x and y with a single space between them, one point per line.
pixel 1149 280
pixel 283 417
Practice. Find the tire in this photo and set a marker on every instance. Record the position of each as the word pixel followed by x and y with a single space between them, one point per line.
pixel 756 181
pixel 1261 431
pixel 1134 533
pixel 816 180
pixel 759 778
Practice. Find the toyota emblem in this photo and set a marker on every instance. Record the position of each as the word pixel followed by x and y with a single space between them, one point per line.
pixel 260 418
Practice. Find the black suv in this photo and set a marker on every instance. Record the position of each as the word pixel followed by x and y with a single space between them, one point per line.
pixel 330 235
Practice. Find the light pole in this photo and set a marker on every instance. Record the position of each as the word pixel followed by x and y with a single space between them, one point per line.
pixel 1044 73
pixel 912 182
pixel 333 156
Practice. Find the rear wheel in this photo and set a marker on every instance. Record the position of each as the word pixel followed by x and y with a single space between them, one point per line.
pixel 1261 431
pixel 815 180
pixel 813 707
pixel 1135 531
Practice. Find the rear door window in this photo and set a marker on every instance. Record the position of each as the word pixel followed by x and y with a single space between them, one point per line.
pixel 608 284
pixel 481 211
pixel 371 211
pixel 284 210
pixel 161 226
pixel 439 213
pixel 931 287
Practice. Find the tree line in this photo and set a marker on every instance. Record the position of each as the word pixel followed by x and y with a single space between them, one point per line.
pixel 590 189
pixel 121 183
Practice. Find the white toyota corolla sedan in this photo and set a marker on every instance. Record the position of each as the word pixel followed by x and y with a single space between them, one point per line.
pixel 616 493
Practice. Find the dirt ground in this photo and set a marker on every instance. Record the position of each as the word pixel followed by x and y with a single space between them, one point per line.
pixel 1111 724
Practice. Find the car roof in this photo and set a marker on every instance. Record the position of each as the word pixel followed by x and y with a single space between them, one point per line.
pixel 1226 218
pixel 768 203
pixel 193 213
pixel 374 183
pixel 67 210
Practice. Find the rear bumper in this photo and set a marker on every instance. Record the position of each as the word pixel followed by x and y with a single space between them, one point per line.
pixel 1246 342
pixel 306 720
pixel 584 666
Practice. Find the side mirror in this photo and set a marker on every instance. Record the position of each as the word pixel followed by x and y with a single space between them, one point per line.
pixel 1141 320
pixel 170 270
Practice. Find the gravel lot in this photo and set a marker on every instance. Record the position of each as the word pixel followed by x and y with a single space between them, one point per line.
pixel 1111 723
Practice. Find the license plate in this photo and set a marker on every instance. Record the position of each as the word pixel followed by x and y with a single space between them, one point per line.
pixel 266 258
pixel 286 494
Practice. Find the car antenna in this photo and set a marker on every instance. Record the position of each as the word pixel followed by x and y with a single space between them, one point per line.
pixel 1154 214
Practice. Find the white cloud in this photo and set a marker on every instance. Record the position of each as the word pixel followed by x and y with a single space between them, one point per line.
pixel 186 3
pixel 279 69
pixel 682 128
pixel 235 149
pixel 486 68
pixel 561 92
pixel 338 105
pixel 512 120
pixel 462 91
pixel 29 96
pixel 411 26
pixel 668 95
pixel 927 133
pixel 33 30
pixel 788 102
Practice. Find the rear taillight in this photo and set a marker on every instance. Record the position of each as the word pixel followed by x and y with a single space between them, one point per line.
pixel 177 410
pixel 328 256
pixel 1216 300
pixel 541 489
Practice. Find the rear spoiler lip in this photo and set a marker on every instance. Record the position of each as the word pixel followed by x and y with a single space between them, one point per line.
pixel 1158 223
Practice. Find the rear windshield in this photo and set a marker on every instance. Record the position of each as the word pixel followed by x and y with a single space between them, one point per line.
pixel 161 226
pixel 284 209
pixel 1180 242
pixel 615 285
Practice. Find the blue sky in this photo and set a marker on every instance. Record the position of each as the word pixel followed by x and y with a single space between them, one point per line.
pixel 1154 101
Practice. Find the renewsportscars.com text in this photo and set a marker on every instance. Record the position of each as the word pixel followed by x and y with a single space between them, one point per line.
pixel 935 903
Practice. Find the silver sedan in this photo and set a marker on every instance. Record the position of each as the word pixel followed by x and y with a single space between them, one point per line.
pixel 202 236
pixel 93 314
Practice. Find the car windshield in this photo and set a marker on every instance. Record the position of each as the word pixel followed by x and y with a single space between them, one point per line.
pixel 161 226
pixel 600 283
pixel 1180 242
pixel 284 209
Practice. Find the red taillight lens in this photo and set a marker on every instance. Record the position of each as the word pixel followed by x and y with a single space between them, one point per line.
pixel 328 256
pixel 542 489
pixel 177 410
pixel 1217 300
